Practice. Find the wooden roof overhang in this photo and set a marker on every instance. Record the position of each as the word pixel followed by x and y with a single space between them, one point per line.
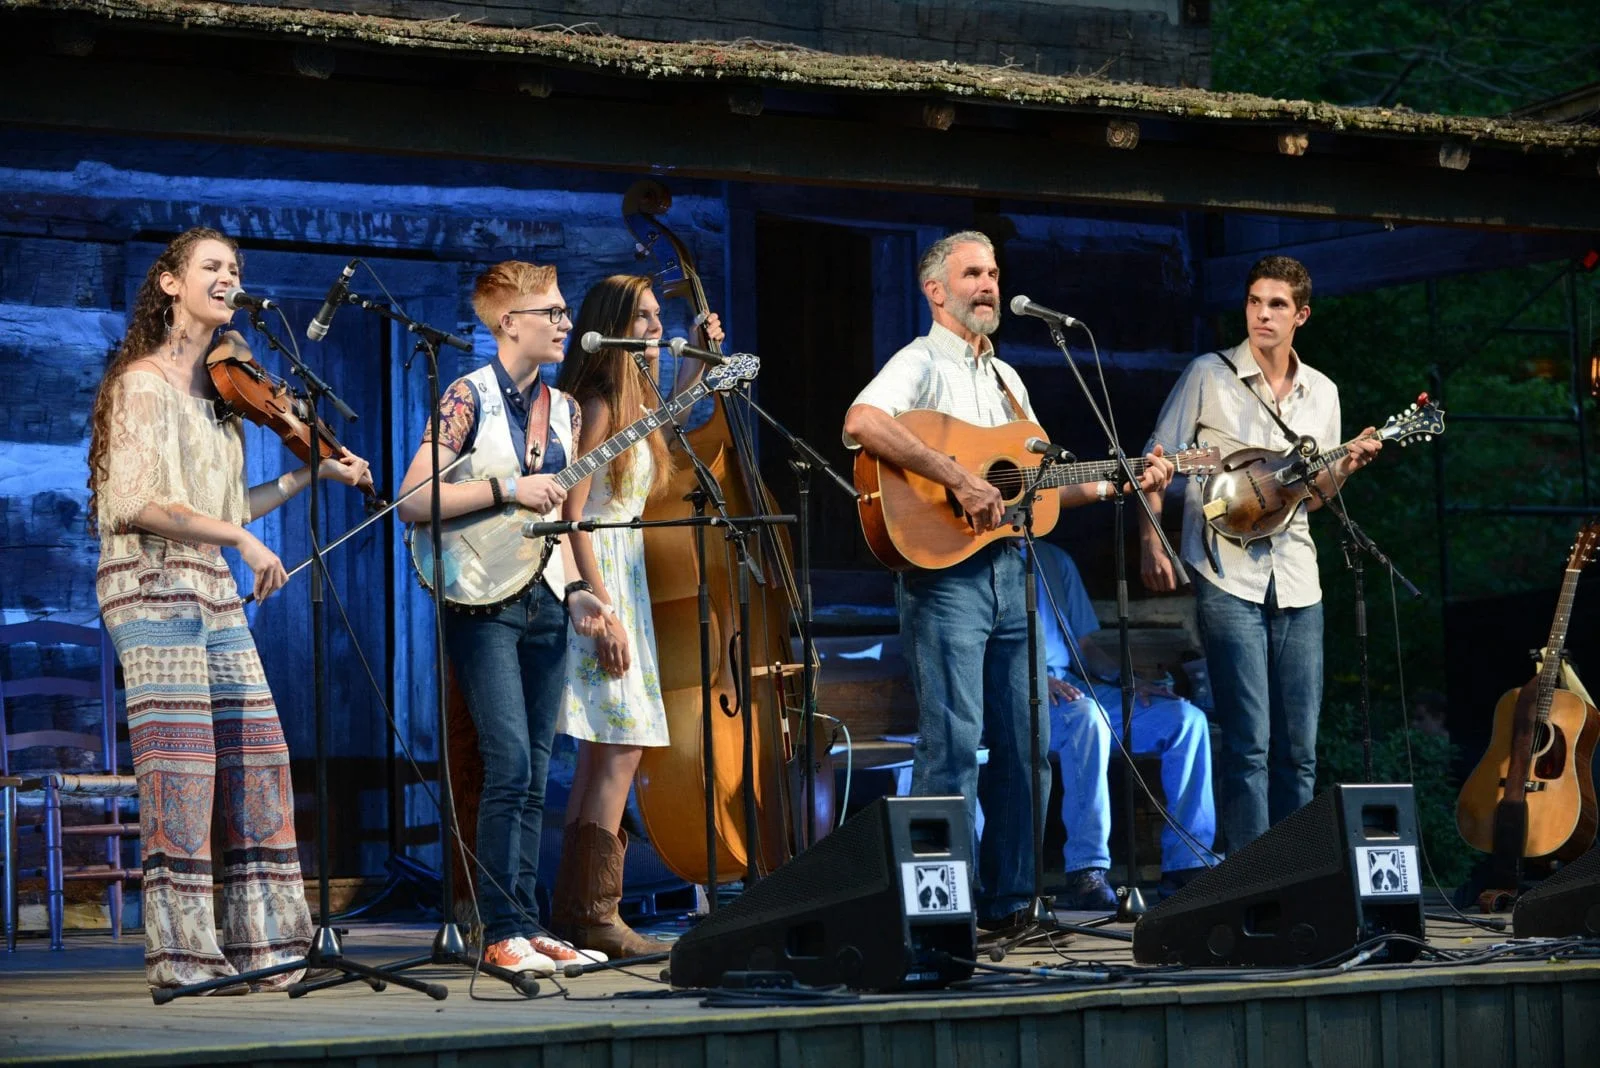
pixel 758 112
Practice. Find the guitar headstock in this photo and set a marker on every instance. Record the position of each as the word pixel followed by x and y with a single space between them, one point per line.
pixel 1583 546
pixel 1200 460
pixel 735 371
pixel 1423 420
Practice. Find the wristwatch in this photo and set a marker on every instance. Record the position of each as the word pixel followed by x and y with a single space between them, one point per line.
pixel 574 586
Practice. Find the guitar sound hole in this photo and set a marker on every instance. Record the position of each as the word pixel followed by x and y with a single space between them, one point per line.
pixel 1005 476
pixel 1542 738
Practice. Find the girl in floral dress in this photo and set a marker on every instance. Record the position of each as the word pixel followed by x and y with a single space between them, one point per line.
pixel 612 704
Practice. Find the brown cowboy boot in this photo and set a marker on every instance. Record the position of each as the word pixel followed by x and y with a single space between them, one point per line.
pixel 596 891
pixel 564 911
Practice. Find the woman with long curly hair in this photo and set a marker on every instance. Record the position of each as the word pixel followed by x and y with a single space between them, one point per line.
pixel 166 492
pixel 612 704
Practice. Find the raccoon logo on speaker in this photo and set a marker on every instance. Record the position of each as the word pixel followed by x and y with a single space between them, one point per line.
pixel 935 888
pixel 1388 870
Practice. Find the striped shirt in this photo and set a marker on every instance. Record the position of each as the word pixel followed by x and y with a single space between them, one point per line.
pixel 942 372
pixel 1212 405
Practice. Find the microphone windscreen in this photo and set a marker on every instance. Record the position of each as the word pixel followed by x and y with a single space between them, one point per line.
pixel 1019 304
pixel 591 341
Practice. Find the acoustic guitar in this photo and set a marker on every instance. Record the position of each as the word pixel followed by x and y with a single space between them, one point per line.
pixel 911 521
pixel 1533 791
pixel 487 560
pixel 1260 490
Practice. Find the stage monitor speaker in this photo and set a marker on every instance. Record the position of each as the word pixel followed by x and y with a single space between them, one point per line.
pixel 1567 903
pixel 882 903
pixel 1340 871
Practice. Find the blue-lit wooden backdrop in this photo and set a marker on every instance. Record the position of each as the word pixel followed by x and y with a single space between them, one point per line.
pixel 819 282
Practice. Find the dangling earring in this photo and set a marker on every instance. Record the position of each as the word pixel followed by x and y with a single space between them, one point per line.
pixel 169 318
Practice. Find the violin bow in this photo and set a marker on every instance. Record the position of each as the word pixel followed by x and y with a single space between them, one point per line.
pixel 365 523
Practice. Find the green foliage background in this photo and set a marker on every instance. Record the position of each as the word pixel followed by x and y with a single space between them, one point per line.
pixel 1384 347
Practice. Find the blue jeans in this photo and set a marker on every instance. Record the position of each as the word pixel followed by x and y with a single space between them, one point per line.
pixel 1168 726
pixel 1265 664
pixel 510 665
pixel 965 633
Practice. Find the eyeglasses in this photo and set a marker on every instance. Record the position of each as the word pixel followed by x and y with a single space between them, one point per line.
pixel 555 314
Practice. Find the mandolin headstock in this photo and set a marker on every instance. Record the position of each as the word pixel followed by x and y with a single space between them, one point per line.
pixel 1422 421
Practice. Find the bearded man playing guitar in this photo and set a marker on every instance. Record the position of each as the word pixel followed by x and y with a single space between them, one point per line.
pixel 964 627
pixel 510 661
pixel 1259 604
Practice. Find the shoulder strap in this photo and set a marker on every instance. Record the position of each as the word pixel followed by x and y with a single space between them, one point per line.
pixel 1294 439
pixel 1017 410
pixel 538 429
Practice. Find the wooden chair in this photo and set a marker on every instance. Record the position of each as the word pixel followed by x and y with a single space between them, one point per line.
pixel 102 781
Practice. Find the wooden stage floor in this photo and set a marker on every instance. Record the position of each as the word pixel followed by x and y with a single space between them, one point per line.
pixel 88 1004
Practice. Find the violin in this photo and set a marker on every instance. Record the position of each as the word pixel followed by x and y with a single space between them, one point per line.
pixel 251 392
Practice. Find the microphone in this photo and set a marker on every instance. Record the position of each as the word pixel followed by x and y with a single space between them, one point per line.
pixel 1021 305
pixel 540 529
pixel 1042 447
pixel 237 298
pixel 593 342
pixel 680 347
pixel 336 294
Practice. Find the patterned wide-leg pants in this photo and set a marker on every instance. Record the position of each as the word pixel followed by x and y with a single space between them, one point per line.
pixel 203 726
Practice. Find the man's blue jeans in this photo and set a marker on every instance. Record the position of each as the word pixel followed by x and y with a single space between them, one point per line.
pixel 965 634
pixel 1168 726
pixel 1265 664
pixel 510 665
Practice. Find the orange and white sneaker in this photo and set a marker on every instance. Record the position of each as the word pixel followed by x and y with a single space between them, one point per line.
pixel 565 952
pixel 517 955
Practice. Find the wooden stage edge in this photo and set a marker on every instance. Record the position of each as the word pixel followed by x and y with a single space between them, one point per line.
pixel 88 1005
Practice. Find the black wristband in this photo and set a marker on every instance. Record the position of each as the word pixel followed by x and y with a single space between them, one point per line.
pixel 574 586
pixel 494 488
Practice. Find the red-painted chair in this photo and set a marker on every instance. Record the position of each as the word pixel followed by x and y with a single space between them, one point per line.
pixel 93 774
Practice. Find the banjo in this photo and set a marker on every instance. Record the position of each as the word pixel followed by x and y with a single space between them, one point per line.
pixel 487 560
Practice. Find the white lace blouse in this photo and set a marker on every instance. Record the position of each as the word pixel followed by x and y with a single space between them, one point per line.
pixel 167 447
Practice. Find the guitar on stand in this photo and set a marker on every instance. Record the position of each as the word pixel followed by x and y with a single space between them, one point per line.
pixel 1260 490
pixel 488 561
pixel 1532 794
pixel 911 521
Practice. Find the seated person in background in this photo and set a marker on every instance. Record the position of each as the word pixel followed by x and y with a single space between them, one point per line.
pixel 1081 737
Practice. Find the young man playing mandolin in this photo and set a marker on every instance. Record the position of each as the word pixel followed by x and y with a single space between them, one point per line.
pixel 510 662
pixel 1260 605
pixel 964 627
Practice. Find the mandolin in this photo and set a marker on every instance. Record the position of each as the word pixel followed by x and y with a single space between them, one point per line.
pixel 1260 490
pixel 911 521
pixel 1532 794
pixel 488 561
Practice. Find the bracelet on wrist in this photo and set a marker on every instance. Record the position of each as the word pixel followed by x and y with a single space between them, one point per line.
pixel 1103 490
pixel 494 490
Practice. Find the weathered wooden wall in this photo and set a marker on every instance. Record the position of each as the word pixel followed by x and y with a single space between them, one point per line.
pixel 1148 41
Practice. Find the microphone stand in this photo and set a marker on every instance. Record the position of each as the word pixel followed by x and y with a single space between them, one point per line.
pixel 449 945
pixel 325 951
pixel 1353 541
pixel 804 461
pixel 1131 903
pixel 1041 918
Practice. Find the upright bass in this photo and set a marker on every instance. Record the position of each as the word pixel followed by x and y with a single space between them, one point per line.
pixel 671 781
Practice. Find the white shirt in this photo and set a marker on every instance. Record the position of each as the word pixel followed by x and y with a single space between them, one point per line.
pixel 942 372
pixel 1212 405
